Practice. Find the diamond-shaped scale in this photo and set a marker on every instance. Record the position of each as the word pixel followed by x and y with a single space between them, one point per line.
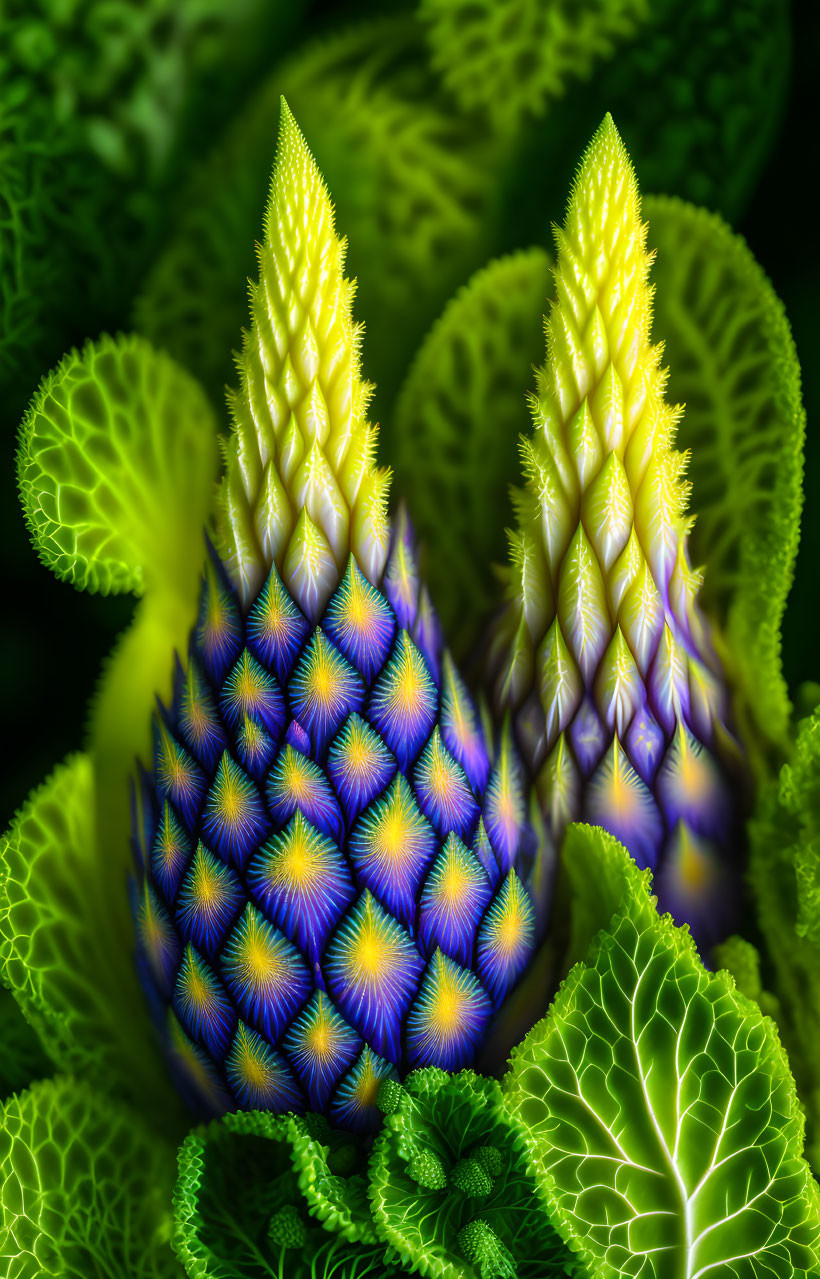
pixel 327 897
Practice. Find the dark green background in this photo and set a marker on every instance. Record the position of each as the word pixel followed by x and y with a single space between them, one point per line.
pixel 54 639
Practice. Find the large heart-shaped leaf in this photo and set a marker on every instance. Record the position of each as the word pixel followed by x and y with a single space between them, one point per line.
pixel 663 1113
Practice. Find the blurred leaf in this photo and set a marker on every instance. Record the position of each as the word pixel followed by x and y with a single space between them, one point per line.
pixel 716 77
pixel 733 363
pixel 784 874
pixel 414 188
pixel 508 58
pixel 117 464
pixel 240 1210
pixel 65 943
pixel 85 1187
pixel 663 1113
pixel 453 1187
pixel 22 1059
pixel 101 104
pixel 456 426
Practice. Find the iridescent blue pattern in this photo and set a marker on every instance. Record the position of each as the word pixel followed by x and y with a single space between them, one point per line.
pixel 325 891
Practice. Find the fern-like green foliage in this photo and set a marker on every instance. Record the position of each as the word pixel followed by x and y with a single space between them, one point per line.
pixel 454 431
pixel 784 874
pixel 733 364
pixel 64 921
pixel 116 466
pixel 412 183
pixel 509 58
pixel 85 1187
pixel 665 1119
pixel 453 1188
pixel 260 1196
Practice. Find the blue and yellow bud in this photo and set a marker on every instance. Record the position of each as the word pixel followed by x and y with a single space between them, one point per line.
pixel 601 655
pixel 332 890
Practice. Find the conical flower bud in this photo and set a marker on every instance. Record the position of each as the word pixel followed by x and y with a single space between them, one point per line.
pixel 601 653
pixel 330 888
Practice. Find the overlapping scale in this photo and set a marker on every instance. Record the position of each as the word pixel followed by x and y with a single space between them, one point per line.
pixel 326 890
pixel 320 782
pixel 602 661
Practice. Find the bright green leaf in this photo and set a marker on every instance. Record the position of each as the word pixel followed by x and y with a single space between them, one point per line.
pixel 85 1187
pixel 733 363
pixel 116 465
pixel 65 950
pixel 240 1210
pixel 784 873
pixel 602 878
pixel 665 1119
pixel 456 426
pixel 453 1188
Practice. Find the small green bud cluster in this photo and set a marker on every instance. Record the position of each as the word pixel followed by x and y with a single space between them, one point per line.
pixel 482 1247
pixel 286 1228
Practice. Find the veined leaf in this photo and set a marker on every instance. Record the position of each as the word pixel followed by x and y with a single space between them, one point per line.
pixel 664 1116
pixel 116 466
pixel 64 954
pixel 733 363
pixel 85 1187
pixel 784 874
pixel 510 57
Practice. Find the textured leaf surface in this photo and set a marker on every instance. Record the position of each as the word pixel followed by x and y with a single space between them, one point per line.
pixel 665 1118
pixel 453 1188
pixel 455 431
pixel 64 941
pixel 412 183
pixel 242 1211
pixel 116 465
pixel 510 57
pixel 85 1188
pixel 784 872
pixel 733 363
pixel 101 102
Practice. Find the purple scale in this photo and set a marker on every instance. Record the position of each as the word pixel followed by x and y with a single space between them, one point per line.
pixel 645 743
pixel 588 737
pixel 401 576
pixel 427 634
